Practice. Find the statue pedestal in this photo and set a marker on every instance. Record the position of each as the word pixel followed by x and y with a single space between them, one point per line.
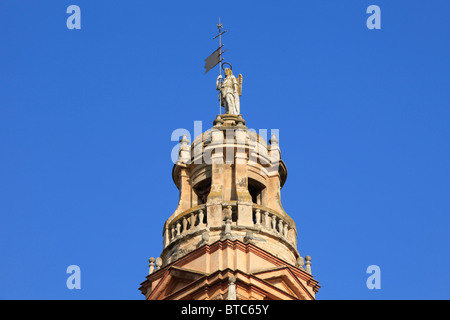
pixel 229 120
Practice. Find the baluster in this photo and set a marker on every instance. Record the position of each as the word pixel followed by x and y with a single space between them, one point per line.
pixel 266 220
pixel 200 217
pixel 192 217
pixel 166 237
pixel 258 217
pixel 178 228
pixel 286 230
pixel 173 232
pixel 184 223
pixel 274 223
pixel 280 226
pixel 189 221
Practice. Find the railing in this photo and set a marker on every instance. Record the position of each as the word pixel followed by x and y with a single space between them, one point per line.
pixel 188 222
pixel 196 219
pixel 273 223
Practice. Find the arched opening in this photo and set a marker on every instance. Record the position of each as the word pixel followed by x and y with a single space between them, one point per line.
pixel 202 190
pixel 255 189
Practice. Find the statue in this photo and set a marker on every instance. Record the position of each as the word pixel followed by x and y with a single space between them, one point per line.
pixel 229 91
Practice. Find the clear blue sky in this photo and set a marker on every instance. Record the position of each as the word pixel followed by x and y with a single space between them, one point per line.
pixel 86 118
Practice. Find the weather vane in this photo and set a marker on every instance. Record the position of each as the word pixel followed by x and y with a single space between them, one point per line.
pixel 216 57
pixel 229 88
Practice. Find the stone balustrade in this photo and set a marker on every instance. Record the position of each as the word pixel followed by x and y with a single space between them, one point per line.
pixel 264 219
pixel 189 222
pixel 273 223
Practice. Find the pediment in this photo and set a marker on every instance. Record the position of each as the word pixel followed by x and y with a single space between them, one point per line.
pixel 284 279
pixel 282 285
pixel 174 279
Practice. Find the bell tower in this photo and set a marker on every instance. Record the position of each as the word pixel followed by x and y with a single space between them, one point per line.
pixel 229 238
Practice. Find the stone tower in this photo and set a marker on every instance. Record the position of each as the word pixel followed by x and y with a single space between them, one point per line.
pixel 229 237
